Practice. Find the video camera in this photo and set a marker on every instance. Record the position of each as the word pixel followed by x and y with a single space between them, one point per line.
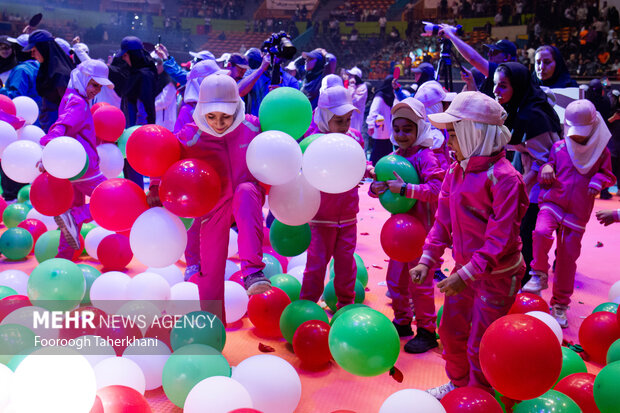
pixel 280 45
pixel 433 29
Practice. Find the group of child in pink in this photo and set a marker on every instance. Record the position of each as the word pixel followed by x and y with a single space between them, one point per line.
pixel 472 204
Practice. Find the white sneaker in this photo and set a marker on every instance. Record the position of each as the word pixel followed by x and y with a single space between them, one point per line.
pixel 440 391
pixel 68 227
pixel 537 283
pixel 558 312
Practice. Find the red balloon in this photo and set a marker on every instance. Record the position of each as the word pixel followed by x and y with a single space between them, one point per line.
pixel 122 399
pixel 526 302
pixel 96 106
pixel 11 303
pixel 3 205
pixel 597 332
pixel 152 149
pixel 580 388
pixel 114 252
pixel 121 332
pixel 190 188
pixel 264 311
pixel 51 196
pixel 97 406
pixel 35 227
pixel 282 260
pixel 109 123
pixel 520 356
pixel 116 203
pixel 311 345
pixel 402 237
pixel 470 400
pixel 245 410
pixel 266 187
pixel 7 105
pixel 83 328
pixel 160 331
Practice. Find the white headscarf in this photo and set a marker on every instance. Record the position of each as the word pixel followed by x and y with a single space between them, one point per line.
pixel 479 139
pixel 79 81
pixel 322 117
pixel 80 77
pixel 225 90
pixel 585 156
pixel 438 136
pixel 331 81
pixel 424 137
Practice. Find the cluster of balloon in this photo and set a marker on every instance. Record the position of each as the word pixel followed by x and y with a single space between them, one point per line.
pixel 402 237
pixel 385 170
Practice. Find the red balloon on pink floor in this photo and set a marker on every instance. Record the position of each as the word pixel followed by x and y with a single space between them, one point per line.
pixel 83 329
pixel 526 302
pixel 122 399
pixel 152 149
pixel 116 203
pixel 311 345
pixel 114 252
pixel 51 196
pixel 264 311
pixel 35 227
pixel 190 188
pixel 282 260
pixel 7 105
pixel 597 332
pixel 121 332
pixel 109 123
pixel 580 388
pixel 470 400
pixel 11 303
pixel 97 106
pixel 402 237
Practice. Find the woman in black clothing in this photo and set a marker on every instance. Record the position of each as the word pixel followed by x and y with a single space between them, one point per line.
pixel 550 69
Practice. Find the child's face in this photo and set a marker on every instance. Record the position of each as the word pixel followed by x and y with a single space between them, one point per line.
pixel 340 124
pixel 581 140
pixel 503 89
pixel 219 121
pixel 92 89
pixel 453 143
pixel 405 132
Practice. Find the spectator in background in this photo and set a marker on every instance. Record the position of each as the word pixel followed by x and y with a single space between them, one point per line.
pixel 8 60
pixel 166 96
pixel 359 93
pixel 379 120
pixel 550 69
pixel 315 65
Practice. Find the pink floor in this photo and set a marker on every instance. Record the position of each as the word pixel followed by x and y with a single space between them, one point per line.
pixel 333 388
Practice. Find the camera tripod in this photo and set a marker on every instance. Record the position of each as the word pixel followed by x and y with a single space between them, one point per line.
pixel 444 67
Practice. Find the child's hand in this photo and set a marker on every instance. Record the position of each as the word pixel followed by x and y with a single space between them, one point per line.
pixel 451 285
pixel 418 273
pixel 378 187
pixel 395 185
pixel 593 192
pixel 547 175
pixel 606 217
pixel 152 198
pixel 371 173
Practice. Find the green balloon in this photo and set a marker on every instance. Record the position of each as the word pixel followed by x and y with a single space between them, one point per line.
pixel 14 214
pixel 86 228
pixel 345 309
pixel 272 265
pixel 610 307
pixel 46 247
pixel 550 402
pixel 613 354
pixel 362 272
pixel 571 363
pixel 14 338
pixel 385 168
pixel 439 314
pixel 23 195
pixel 90 275
pixel 288 284
pixel 606 394
pixel 287 240
pixel 188 222
pixel 188 366
pixel 16 243
pixel 329 294
pixel 364 342
pixel 82 172
pixel 285 109
pixel 198 327
pixel 56 285
pixel 498 397
pixel 6 291
pixel 308 140
pixel 122 141
pixel 298 312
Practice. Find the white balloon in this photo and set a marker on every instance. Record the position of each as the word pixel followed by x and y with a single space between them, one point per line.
pixel 142 313
pixel 94 348
pixel 217 394
pixel 171 273
pixel 295 202
pixel 334 163
pixel 120 371
pixel 235 301
pixel 47 220
pixel 272 382
pixel 93 238
pixel 297 272
pixel 31 133
pixel 108 291
pixel 158 238
pixel 231 268
pixel 25 316
pixel 184 299
pixel 8 135
pixel 616 300
pixel 111 160
pixel 614 291
pixel 233 246
pixel 26 109
pixel 273 157
pixel 411 400
pixel 5 381
pixel 150 358
pixel 298 260
pixel 16 279
pixel 149 286
pixel 64 157
pixel 550 321
pixel 55 380
pixel 20 159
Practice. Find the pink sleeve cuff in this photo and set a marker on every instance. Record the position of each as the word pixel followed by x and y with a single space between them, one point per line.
pixel 466 274
pixel 426 259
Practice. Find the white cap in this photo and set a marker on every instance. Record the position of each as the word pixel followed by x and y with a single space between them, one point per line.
pixel 97 70
pixel 64 45
pixel 219 93
pixel 223 58
pixel 203 55
pixel 290 66
pixel 21 40
pixel 430 93
pixel 337 100
pixel 205 68
pixel 355 71
pixel 81 47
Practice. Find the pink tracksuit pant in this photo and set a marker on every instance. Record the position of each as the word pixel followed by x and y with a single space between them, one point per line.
pixel 568 250
pixel 402 289
pixel 192 250
pixel 80 210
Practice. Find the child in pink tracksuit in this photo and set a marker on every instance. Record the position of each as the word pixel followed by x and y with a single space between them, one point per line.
pixel 579 167
pixel 334 227
pixel 481 204
pixel 76 121
pixel 220 135
pixel 411 132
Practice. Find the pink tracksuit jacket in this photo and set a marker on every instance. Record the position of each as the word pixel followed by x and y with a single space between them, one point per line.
pixel 479 214
pixel 75 120
pixel 398 280
pixel 240 201
pixel 334 234
pixel 566 206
